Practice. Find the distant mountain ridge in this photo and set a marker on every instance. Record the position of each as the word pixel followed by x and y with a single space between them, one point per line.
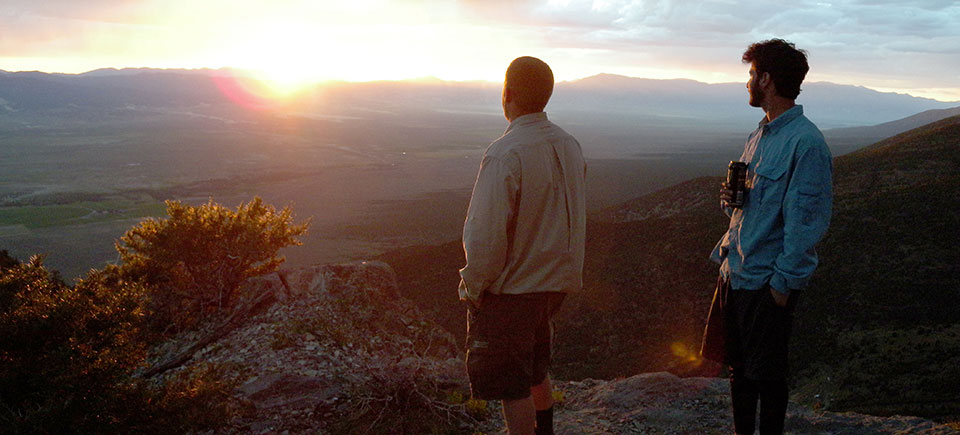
pixel 827 104
pixel 892 128
pixel 720 105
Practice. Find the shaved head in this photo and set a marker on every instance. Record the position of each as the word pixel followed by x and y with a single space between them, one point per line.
pixel 530 82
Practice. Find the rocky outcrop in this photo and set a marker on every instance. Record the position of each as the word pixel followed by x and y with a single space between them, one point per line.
pixel 334 349
pixel 661 403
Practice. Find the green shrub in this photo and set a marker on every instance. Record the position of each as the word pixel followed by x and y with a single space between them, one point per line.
pixel 194 261
pixel 885 371
pixel 65 352
pixel 68 357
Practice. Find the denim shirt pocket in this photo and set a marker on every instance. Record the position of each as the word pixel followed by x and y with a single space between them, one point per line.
pixel 767 175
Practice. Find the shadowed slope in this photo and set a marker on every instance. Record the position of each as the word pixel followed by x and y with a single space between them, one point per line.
pixel 875 330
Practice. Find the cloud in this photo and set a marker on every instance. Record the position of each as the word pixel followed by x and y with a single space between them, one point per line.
pixel 880 42
pixel 67 27
pixel 118 12
pixel 909 43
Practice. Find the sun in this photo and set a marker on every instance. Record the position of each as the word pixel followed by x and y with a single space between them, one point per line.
pixel 286 80
pixel 290 54
pixel 286 58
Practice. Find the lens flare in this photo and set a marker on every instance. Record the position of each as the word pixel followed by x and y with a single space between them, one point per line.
pixel 249 92
pixel 686 353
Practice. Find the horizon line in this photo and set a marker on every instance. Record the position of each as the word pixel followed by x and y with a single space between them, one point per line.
pixel 253 72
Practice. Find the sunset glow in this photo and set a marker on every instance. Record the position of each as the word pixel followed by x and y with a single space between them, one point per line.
pixel 293 43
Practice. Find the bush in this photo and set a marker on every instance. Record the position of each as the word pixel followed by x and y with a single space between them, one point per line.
pixel 65 352
pixel 194 261
pixel 68 356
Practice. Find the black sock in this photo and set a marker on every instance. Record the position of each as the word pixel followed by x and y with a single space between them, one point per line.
pixel 545 422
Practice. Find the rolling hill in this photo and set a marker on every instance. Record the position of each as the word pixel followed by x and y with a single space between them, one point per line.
pixel 883 305
pixel 843 140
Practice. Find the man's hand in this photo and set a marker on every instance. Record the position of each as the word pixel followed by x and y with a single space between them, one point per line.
pixel 726 195
pixel 779 298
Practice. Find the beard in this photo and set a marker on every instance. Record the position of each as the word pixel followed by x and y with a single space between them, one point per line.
pixel 756 96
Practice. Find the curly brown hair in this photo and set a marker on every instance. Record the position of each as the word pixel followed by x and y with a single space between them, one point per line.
pixel 786 64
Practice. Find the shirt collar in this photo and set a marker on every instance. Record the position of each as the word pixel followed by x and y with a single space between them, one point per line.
pixel 527 119
pixel 782 120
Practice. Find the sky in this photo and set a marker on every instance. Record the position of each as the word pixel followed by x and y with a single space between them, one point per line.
pixel 892 46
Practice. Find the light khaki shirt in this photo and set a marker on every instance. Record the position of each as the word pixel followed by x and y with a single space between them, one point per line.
pixel 525 227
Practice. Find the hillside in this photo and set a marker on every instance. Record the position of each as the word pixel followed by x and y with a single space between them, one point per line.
pixel 646 286
pixel 896 201
pixel 876 330
pixel 884 300
pixel 892 128
pixel 843 140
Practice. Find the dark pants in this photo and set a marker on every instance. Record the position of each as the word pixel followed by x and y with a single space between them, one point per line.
pixel 757 338
pixel 509 344
pixel 772 395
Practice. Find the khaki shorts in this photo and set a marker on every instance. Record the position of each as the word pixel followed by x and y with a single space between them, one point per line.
pixel 509 342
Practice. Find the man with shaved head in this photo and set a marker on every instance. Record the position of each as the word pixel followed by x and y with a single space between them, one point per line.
pixel 524 243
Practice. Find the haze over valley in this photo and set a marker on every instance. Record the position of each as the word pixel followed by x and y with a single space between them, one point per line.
pixel 376 166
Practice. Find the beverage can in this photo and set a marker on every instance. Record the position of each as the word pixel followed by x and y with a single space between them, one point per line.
pixel 737 182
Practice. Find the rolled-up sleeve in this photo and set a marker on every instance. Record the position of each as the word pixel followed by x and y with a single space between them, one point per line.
pixel 807 207
pixel 486 230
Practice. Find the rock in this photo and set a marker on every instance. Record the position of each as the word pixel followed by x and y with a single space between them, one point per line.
pixel 309 280
pixel 288 390
pixel 270 282
pixel 338 335
pixel 662 403
pixel 342 342
pixel 368 276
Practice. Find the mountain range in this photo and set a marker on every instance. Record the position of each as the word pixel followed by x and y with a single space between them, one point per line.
pixel 829 105
pixel 600 98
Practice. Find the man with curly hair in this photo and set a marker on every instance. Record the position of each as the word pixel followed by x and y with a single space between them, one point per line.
pixel 767 255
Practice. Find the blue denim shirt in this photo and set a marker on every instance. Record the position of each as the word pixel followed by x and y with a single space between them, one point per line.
pixel 787 207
